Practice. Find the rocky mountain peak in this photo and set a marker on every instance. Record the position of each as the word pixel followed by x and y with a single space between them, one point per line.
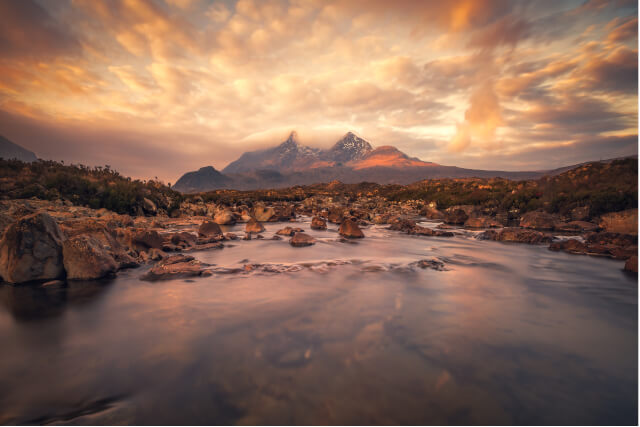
pixel 350 147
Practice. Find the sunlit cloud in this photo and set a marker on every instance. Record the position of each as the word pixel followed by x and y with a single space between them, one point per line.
pixel 197 82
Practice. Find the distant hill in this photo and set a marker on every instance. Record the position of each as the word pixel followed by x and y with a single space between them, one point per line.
pixel 10 150
pixel 350 160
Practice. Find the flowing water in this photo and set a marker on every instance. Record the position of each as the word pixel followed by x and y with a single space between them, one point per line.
pixel 335 333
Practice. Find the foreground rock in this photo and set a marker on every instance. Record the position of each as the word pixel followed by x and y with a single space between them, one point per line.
pixel 31 249
pixel 253 226
pixel 85 258
pixel 517 235
pixel 209 229
pixel 176 266
pixel 301 239
pixel 318 223
pixel 350 229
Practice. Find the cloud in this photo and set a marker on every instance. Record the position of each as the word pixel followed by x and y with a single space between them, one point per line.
pixel 481 120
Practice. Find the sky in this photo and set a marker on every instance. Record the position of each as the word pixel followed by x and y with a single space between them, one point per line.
pixel 156 88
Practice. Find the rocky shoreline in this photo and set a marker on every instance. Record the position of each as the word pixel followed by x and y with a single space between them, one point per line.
pixel 43 241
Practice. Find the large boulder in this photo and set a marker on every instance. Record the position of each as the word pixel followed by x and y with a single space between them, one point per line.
pixel 538 220
pixel 350 229
pixel 224 217
pixel 209 229
pixel 31 249
pixel 625 222
pixel 301 239
pixel 318 223
pixel 263 214
pixel 253 226
pixel 85 258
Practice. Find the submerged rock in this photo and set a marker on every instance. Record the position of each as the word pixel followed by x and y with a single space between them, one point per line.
pixel 350 229
pixel 433 264
pixel 301 239
pixel 85 258
pixel 31 249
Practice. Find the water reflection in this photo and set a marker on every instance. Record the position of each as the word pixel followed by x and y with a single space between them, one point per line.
pixel 508 334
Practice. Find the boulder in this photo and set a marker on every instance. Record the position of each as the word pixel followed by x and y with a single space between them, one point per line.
pixel 631 264
pixel 571 246
pixel 301 239
pixel 517 235
pixel 253 226
pixel 335 216
pixel 289 231
pixel 176 266
pixel 31 249
pixel 318 223
pixel 350 229
pixel 263 214
pixel 538 220
pixel 85 258
pixel 430 212
pixel 224 217
pixel 481 222
pixel 209 229
pixel 625 222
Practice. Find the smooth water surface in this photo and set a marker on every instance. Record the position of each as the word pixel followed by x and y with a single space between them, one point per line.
pixel 336 333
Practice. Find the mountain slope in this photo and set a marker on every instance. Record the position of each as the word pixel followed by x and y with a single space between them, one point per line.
pixel 206 177
pixel 10 150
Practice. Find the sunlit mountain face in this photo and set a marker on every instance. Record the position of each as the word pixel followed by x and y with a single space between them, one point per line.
pixel 159 87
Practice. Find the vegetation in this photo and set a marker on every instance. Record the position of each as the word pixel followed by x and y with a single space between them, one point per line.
pixel 601 186
pixel 98 187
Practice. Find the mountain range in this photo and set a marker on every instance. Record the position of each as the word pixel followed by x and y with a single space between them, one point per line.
pixel 350 160
pixel 10 150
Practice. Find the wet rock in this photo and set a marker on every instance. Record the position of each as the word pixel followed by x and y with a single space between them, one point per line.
pixel 572 246
pixel 431 213
pixel 253 226
pixel 301 239
pixel 318 223
pixel 517 235
pixel 538 220
pixel 481 222
pixel 276 237
pixel 289 231
pixel 175 266
pixel 209 229
pixel 455 216
pixel 625 222
pixel 350 229
pixel 335 216
pixel 31 249
pixel 631 264
pixel 425 231
pixel 85 258
pixel 401 224
pixel 231 236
